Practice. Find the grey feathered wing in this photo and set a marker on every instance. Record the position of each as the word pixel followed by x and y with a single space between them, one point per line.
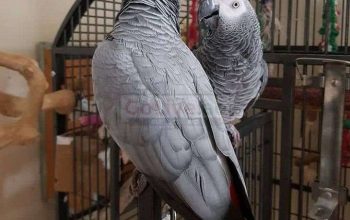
pixel 178 147
pixel 263 82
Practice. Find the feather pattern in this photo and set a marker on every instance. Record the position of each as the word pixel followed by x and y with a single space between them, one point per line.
pixel 158 105
pixel 232 57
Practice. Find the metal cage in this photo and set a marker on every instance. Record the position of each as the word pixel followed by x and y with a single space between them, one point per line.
pixel 292 33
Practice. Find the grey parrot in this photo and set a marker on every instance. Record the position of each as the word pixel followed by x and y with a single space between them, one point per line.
pixel 158 105
pixel 232 56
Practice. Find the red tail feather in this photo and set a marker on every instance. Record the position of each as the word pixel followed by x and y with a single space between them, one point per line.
pixel 234 196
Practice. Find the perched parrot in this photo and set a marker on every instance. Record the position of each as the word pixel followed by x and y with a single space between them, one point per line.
pixel 231 54
pixel 157 103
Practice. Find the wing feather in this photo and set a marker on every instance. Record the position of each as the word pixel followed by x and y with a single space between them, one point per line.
pixel 176 138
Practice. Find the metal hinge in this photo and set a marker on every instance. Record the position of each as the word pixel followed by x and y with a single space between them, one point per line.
pixel 326 201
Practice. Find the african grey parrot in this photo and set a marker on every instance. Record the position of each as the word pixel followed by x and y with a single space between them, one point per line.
pixel 158 105
pixel 232 56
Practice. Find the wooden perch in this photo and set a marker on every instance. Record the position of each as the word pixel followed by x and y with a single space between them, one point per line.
pixel 310 172
pixel 62 101
pixel 309 158
pixel 24 130
pixel 11 106
pixel 314 97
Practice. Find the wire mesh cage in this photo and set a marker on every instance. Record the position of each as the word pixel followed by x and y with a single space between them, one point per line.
pixel 300 29
pixel 305 26
pixel 256 160
pixel 298 111
pixel 90 20
pixel 291 29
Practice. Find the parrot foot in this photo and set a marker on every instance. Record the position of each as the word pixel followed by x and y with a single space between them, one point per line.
pixel 138 183
pixel 234 134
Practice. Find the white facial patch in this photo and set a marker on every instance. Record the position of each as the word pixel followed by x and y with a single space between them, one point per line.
pixel 230 9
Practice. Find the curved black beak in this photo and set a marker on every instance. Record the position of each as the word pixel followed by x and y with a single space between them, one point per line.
pixel 207 9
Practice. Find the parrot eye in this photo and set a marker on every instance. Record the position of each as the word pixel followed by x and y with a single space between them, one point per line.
pixel 235 4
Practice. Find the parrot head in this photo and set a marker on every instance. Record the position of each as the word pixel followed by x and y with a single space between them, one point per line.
pixel 232 16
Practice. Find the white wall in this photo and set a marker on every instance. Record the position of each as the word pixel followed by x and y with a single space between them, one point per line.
pixel 24 23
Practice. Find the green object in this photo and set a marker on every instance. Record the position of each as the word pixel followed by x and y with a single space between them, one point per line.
pixel 333 33
pixel 346 123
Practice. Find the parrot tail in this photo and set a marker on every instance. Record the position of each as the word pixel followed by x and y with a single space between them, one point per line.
pixel 234 196
pixel 240 202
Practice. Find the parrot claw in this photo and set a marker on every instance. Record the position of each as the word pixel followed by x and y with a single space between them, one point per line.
pixel 234 135
pixel 139 183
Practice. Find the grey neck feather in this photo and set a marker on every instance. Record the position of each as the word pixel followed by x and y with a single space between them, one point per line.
pixel 234 41
pixel 229 47
pixel 169 8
